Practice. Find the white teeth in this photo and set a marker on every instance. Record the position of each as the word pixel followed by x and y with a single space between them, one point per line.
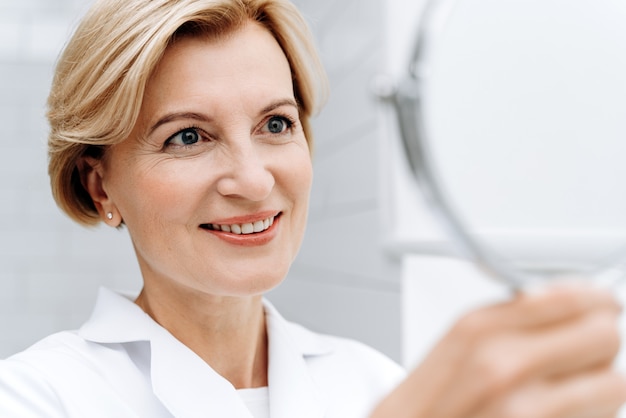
pixel 247 228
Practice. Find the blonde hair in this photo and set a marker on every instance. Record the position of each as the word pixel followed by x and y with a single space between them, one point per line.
pixel 101 76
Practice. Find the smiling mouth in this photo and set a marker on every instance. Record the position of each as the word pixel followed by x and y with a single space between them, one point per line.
pixel 244 228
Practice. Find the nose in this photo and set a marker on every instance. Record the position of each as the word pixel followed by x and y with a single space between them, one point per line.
pixel 248 175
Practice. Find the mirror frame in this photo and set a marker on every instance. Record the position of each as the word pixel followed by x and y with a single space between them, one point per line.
pixel 406 98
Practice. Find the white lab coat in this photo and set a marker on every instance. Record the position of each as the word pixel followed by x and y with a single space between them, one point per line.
pixel 123 364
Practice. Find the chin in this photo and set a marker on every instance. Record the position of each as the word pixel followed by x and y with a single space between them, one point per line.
pixel 253 285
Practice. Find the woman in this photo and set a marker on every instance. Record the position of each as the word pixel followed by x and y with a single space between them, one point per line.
pixel 188 123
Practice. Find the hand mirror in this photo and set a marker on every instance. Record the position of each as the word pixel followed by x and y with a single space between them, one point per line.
pixel 513 118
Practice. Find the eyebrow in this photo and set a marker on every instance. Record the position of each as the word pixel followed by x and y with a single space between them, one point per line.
pixel 205 119
pixel 176 116
pixel 279 103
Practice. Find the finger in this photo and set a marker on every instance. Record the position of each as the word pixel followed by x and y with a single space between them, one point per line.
pixel 487 352
pixel 586 342
pixel 597 394
pixel 553 304
pixel 499 364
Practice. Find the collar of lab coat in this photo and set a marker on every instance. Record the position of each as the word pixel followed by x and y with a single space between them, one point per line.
pixel 189 387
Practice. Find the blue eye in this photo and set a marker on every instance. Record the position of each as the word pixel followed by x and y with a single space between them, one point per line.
pixel 187 136
pixel 277 124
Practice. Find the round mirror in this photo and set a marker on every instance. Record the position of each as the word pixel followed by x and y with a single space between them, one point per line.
pixel 513 115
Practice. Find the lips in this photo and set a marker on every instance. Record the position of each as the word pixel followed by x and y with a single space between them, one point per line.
pixel 247 231
pixel 244 228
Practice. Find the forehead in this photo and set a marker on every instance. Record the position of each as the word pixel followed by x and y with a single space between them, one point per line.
pixel 247 61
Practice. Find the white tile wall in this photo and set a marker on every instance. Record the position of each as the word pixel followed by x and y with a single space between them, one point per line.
pixel 50 268
pixel 342 282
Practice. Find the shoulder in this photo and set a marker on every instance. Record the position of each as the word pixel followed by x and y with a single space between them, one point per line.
pixel 64 351
pixel 351 376
pixel 354 376
pixel 26 389
pixel 333 357
pixel 347 355
pixel 60 376
pixel 24 393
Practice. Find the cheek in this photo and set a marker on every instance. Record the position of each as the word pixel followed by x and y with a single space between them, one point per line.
pixel 144 192
pixel 299 175
pixel 300 178
pixel 303 188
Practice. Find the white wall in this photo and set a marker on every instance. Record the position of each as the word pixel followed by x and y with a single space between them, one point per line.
pixel 50 268
pixel 527 216
pixel 342 282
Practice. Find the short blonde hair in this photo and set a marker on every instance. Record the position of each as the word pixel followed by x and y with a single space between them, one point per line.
pixel 101 76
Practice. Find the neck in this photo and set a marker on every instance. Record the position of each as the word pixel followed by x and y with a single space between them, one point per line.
pixel 227 332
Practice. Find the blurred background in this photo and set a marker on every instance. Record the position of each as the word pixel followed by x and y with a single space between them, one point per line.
pixel 374 264
pixel 343 282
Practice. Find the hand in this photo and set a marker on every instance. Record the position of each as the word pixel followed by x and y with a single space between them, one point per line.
pixel 545 354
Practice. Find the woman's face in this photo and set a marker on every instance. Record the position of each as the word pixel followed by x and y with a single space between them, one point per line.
pixel 213 184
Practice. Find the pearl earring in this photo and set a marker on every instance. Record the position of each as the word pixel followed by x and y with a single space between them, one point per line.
pixel 109 216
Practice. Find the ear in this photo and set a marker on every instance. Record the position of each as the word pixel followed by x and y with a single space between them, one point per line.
pixel 91 177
